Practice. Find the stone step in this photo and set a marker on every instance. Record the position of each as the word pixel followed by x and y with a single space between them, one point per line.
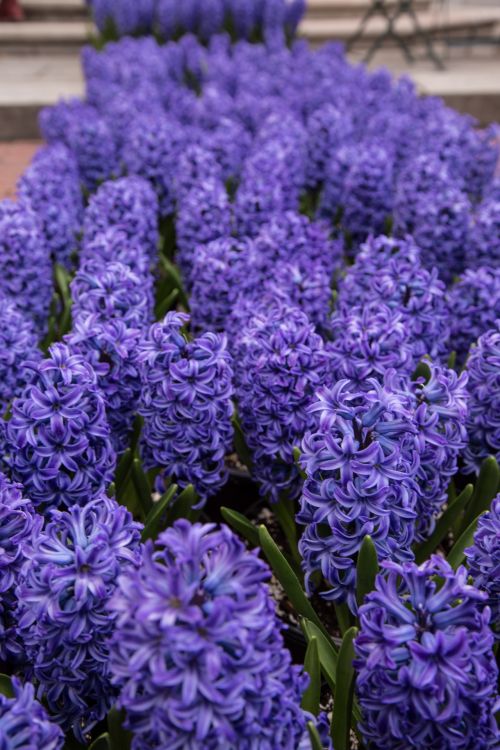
pixel 452 23
pixel 55 10
pixel 351 8
pixel 35 37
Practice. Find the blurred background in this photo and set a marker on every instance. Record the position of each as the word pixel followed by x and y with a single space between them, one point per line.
pixel 450 47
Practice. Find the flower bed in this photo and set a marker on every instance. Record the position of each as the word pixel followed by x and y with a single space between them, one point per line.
pixel 249 282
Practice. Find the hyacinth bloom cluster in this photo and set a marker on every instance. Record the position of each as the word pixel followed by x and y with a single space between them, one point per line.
pixel 426 671
pixel 439 402
pixel 199 607
pixel 361 464
pixel 474 306
pixel 111 348
pixel 279 362
pixel 115 245
pixel 368 341
pixel 483 560
pixel 186 404
pixel 69 577
pixel 485 235
pixel 483 421
pixel 329 129
pixel 57 442
pixel 111 291
pixel 390 271
pixel 25 267
pixel 24 723
pixel 18 345
pixel 129 205
pixel 50 187
pixel 18 525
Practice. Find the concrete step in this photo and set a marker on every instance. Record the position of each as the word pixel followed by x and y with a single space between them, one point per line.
pixel 36 37
pixel 351 8
pixel 55 10
pixel 457 21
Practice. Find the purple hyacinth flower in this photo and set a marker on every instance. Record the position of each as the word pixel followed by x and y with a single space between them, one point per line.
pixel 198 653
pixel 483 559
pixel 426 674
pixel 69 577
pixel 24 723
pixel 18 345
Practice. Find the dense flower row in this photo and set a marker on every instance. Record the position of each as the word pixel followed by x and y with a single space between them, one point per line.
pixel 335 239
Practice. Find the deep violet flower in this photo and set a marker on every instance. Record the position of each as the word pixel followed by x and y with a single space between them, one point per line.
pixel 90 139
pixel 186 403
pixel 484 247
pixel 70 574
pixel 361 463
pixel 328 129
pixel 483 421
pixel 24 723
pixel 114 244
pixel 426 671
pixel 199 606
pixel 25 267
pixel 279 362
pixel 18 524
pixel 18 345
pixel 58 440
pixel 483 559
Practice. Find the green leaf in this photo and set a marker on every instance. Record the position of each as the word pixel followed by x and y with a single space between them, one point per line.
pixel 142 487
pixel 102 743
pixel 6 686
pixel 344 617
pixel 328 654
pixel 173 276
pixel 344 693
pixel 240 444
pixel 120 738
pixel 296 457
pixel 312 696
pixel 316 743
pixel 367 569
pixel 422 370
pixel 284 510
pixel 62 279
pixel 456 555
pixel 166 304
pixel 288 579
pixel 153 524
pixel 242 525
pixel 183 506
pixel 486 489
pixel 123 470
pixel 443 524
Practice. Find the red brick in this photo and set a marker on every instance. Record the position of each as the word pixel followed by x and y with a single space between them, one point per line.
pixel 14 158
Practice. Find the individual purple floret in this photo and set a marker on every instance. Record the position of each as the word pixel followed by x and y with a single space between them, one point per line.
pixel 279 362
pixel 439 401
pixel 389 271
pixel 112 291
pixel 369 340
pixel 200 607
pixel 474 306
pixel 203 215
pixel 24 723
pixel 115 244
pixel 483 559
pixel 58 440
pixel 483 421
pixel 426 674
pixel 186 403
pixel 18 345
pixel 50 187
pixel 368 193
pixel 25 267
pixel 151 151
pixel 18 525
pixel 69 577
pixel 111 348
pixel 484 248
pixel 361 462
pixel 129 204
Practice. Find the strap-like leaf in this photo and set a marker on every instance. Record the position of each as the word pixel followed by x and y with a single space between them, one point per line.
pixel 101 743
pixel 284 510
pixel 153 525
pixel 242 525
pixel 288 579
pixel 240 444
pixel 486 489
pixel 367 569
pixel 183 507
pixel 443 524
pixel 141 485
pixel 6 686
pixel 123 471
pixel 120 738
pixel 344 693
pixel 316 743
pixel 456 555
pixel 312 696
pixel 327 652
pixel 173 276
pixel 296 457
pixel 166 304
